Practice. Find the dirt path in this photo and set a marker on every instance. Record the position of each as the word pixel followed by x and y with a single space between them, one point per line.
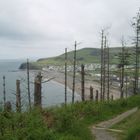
pixel 101 130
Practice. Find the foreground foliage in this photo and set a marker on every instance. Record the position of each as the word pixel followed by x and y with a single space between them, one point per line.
pixel 61 123
pixel 133 132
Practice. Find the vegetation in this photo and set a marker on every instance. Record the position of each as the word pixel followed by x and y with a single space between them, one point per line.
pixel 69 122
pixel 132 132
pixel 84 56
pixel 32 65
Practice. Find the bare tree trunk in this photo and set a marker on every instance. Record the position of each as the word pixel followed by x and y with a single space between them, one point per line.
pixel 74 71
pixel 122 72
pixel 4 92
pixel 136 75
pixel 8 106
pixel 91 93
pixel 18 96
pixel 28 83
pixel 37 91
pixel 108 75
pixel 112 97
pixel 96 97
pixel 102 51
pixel 83 82
pixel 104 68
pixel 126 87
pixel 65 76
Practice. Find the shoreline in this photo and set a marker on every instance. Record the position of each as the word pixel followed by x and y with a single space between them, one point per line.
pixel 60 78
pixel 63 85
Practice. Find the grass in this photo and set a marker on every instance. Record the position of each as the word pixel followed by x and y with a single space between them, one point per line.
pixel 86 56
pixel 130 127
pixel 83 56
pixel 61 123
pixel 24 126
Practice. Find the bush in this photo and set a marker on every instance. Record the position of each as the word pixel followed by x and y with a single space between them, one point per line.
pixel 24 126
pixel 134 133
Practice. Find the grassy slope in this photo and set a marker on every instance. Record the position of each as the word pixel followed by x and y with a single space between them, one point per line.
pixel 61 123
pixel 85 55
pixel 130 126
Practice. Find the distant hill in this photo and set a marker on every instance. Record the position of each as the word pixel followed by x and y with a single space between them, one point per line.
pixel 84 56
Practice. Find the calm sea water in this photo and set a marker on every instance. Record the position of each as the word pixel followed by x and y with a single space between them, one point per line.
pixel 52 92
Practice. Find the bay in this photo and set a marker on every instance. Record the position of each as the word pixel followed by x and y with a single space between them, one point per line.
pixel 52 92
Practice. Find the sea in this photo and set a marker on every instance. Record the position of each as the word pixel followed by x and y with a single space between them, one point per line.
pixel 52 92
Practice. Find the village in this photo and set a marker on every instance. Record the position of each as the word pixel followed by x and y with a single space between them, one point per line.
pixel 93 71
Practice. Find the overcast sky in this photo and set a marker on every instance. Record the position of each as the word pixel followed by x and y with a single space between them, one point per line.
pixel 43 28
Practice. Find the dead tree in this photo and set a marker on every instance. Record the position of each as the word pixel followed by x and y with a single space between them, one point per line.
pixel 91 93
pixel 112 97
pixel 28 84
pixel 97 95
pixel 8 106
pixel 108 74
pixel 65 76
pixel 104 68
pixel 123 62
pixel 127 59
pixel 122 59
pixel 126 87
pixel 102 52
pixel 4 91
pixel 18 96
pixel 37 91
pixel 74 71
pixel 82 82
pixel 136 25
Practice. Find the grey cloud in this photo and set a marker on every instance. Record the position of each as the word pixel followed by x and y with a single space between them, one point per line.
pixel 56 24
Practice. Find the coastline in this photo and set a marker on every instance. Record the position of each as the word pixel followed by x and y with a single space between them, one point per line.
pixel 63 85
pixel 60 78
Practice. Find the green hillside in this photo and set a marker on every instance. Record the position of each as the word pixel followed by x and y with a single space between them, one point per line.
pixel 84 56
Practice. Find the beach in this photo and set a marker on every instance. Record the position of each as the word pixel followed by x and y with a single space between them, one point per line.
pixel 60 78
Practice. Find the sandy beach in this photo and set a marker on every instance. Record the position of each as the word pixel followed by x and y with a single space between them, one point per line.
pixel 60 78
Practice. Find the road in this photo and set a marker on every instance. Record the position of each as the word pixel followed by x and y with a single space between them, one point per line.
pixel 102 130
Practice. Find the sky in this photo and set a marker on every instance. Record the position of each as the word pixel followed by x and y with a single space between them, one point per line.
pixel 44 28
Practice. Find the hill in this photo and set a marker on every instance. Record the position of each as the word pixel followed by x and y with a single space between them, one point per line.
pixel 84 56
